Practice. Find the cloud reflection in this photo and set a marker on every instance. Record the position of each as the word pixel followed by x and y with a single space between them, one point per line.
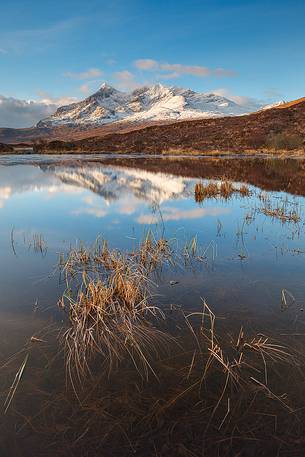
pixel 5 194
pixel 175 214
pixel 94 211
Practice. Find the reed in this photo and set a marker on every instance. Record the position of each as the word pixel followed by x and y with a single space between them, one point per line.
pixel 158 382
pixel 225 390
pixel 108 302
pixel 282 213
pixel 225 189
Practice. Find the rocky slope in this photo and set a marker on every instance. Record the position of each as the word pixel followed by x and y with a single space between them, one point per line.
pixel 112 111
pixel 147 104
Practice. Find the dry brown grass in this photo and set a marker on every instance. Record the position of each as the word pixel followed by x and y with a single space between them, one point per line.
pixel 108 303
pixel 223 390
pixel 226 189
pixel 244 190
pixel 237 371
pixel 223 190
pixel 282 213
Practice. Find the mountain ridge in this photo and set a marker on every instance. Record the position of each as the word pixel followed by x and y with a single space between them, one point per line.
pixel 278 128
pixel 110 111
pixel 148 103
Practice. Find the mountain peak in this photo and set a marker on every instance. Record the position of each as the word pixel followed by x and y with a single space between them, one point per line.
pixel 154 103
pixel 106 87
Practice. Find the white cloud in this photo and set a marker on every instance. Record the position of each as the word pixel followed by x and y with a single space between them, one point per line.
pixel 177 69
pixel 89 86
pixel 18 113
pixel 47 99
pixel 3 51
pixel 91 73
pixel 249 102
pixel 146 64
pixel 126 80
pixel 22 113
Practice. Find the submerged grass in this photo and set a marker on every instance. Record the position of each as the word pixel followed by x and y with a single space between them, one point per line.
pixel 224 391
pixel 160 382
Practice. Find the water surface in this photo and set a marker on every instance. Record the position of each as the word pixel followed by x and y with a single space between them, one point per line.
pixel 245 258
pixel 250 257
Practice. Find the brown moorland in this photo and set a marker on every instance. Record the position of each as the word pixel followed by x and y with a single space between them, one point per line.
pixel 270 130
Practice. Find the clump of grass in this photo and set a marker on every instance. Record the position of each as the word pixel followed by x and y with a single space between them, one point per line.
pixel 214 190
pixel 109 307
pixel 154 252
pixel 244 190
pixel 281 213
pixel 226 189
pixel 205 191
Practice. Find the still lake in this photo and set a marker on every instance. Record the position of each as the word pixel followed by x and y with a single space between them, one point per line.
pixel 250 248
pixel 249 256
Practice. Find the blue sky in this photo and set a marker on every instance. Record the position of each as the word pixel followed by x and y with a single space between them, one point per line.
pixel 57 50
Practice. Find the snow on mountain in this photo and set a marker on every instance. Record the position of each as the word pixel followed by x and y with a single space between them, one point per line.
pixel 147 104
pixel 274 105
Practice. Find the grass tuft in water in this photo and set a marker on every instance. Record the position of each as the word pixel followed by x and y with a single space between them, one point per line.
pixel 225 189
pixel 108 302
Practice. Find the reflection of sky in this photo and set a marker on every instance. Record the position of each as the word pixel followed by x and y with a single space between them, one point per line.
pixel 66 204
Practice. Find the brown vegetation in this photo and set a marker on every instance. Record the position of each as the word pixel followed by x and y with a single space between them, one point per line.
pixel 224 390
pixel 235 134
pixel 282 213
pixel 36 135
pixel 109 307
pixel 6 148
pixel 213 190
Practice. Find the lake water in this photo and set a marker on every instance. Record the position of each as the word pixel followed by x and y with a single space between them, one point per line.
pixel 247 252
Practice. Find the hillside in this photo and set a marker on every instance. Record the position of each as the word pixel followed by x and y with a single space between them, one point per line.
pixel 110 111
pixel 274 128
pixel 66 132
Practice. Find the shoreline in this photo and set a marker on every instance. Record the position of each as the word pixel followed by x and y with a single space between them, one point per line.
pixel 261 153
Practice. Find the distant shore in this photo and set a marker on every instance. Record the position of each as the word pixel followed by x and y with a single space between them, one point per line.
pixel 276 131
pixel 47 149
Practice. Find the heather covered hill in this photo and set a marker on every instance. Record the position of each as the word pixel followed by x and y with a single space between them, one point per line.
pixel 111 111
pixel 279 128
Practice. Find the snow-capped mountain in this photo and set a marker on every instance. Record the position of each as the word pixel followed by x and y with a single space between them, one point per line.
pixel 147 104
pixel 274 105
